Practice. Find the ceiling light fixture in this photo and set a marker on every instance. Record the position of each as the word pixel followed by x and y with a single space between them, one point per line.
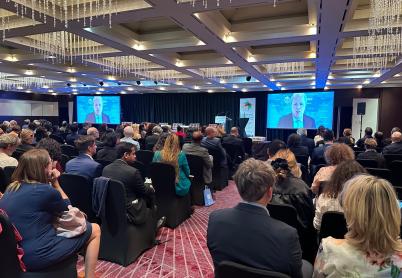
pixel 291 67
pixel 205 2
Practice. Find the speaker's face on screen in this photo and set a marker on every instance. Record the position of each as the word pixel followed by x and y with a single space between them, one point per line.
pixel 298 105
pixel 98 106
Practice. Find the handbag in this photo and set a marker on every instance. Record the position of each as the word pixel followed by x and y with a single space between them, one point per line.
pixel 208 201
pixel 137 211
pixel 71 223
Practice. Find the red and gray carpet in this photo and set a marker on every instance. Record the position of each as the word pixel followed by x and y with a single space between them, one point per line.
pixel 184 255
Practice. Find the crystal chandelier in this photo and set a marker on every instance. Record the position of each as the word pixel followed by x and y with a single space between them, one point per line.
pixel 219 73
pixel 384 42
pixel 291 67
pixel 66 10
pixel 12 83
pixel 205 2
pixel 64 47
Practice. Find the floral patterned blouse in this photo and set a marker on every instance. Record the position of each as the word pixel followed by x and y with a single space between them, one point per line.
pixel 337 258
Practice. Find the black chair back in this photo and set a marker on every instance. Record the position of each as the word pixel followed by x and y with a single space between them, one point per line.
pixel 104 163
pixel 9 264
pixel 8 171
pixel 79 190
pixel 381 173
pixel 145 156
pixel 69 150
pixel 3 181
pixel 175 208
pixel 227 269
pixel 17 154
pixel 396 169
pixel 392 157
pixel 370 163
pixel 64 160
pixel 333 224
pixel 248 146
pixel 234 154
pixel 140 167
pixel 58 138
pixel 284 213
pixel 219 172
pixel 196 164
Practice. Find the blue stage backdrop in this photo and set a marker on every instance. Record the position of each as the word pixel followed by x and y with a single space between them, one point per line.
pixel 98 109
pixel 301 109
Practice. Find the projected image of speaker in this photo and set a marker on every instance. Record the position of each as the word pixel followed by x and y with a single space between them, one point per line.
pixel 98 109
pixel 361 108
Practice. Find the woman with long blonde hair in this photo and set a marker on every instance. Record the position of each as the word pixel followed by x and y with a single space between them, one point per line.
pixel 372 246
pixel 136 129
pixel 171 154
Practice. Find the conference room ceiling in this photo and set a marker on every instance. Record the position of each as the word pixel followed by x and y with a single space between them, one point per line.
pixel 190 48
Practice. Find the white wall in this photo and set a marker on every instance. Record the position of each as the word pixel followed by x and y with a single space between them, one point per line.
pixel 13 107
pixel 370 119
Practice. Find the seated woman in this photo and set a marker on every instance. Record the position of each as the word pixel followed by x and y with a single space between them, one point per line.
pixel 328 199
pixel 372 247
pixel 108 152
pixel 289 156
pixel 334 155
pixel 27 139
pixel 291 190
pixel 171 154
pixel 8 144
pixel 32 201
pixel 54 150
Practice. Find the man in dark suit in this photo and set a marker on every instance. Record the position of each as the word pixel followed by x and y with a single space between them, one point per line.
pixel 297 119
pixel 246 234
pixel 294 144
pixel 151 140
pixel 97 116
pixel 212 143
pixel 234 139
pixel 318 153
pixel 195 149
pixel 84 164
pixel 305 141
pixel 368 133
pixel 71 137
pixel 396 145
pixel 371 153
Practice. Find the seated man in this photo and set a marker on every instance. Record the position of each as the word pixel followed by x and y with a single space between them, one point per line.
pixel 234 139
pixel 70 138
pixel 396 146
pixel 128 137
pixel 120 170
pixel 371 152
pixel 212 143
pixel 246 234
pixel 195 149
pixel 318 153
pixel 93 131
pixel 84 164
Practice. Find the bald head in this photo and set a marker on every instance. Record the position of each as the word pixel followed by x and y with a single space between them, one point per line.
pixel 128 131
pixel 197 136
pixel 234 131
pixel 210 131
pixel 396 137
pixel 93 131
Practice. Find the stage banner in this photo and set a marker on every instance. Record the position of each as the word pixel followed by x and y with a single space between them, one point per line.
pixel 247 110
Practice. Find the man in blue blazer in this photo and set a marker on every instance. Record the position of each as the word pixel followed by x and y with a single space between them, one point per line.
pixel 297 119
pixel 247 234
pixel 84 164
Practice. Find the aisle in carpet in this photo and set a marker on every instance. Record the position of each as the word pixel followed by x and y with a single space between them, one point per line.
pixel 183 255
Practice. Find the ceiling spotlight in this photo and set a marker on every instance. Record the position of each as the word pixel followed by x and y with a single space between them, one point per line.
pixel 69 84
pixel 138 82
pixel 248 78
pixel 101 83
pixel 20 88
pixel 156 82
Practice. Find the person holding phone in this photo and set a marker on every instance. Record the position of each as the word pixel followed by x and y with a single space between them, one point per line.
pixel 32 201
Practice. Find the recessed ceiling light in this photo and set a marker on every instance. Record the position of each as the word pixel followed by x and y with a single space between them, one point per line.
pixel 397 75
pixel 244 90
pixel 28 91
pixel 50 91
pixel 162 88
pixel 283 88
pixel 83 74
pixel 31 64
pixel 20 88
pixel 326 88
pixel 123 92
pixel 196 87
pixel 73 79
pixel 359 86
pixel 98 93
pixel 74 90
pixel 54 94
pixel 29 72
pixel 51 57
pixel 210 91
pixel 45 87
pixel 130 89
pixel 42 76
pixel 101 89
pixel 278 84
pixel 59 72
pixel 366 82
pixel 222 81
pixel 75 93
pixel 180 83
pixel 235 86
pixel 71 70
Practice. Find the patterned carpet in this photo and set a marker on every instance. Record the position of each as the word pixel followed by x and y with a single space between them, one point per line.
pixel 185 253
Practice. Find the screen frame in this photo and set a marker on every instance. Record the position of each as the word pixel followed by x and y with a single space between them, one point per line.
pixel 75 114
pixel 294 92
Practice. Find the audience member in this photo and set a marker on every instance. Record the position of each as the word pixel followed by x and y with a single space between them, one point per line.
pixel 41 133
pixel 84 129
pixel 220 131
pixel 388 141
pixel 142 131
pixel 149 129
pixel 372 247
pixel 180 133
pixel 305 141
pixel 274 147
pixel 136 132
pixel 8 144
pixel 319 137
pixel 293 191
pixel 26 123
pixel 396 146
pixel 84 164
pixel 294 144
pixel 32 201
pixel 318 153
pixel 379 138
pixel 27 139
pixel 328 199
pixel 172 155
pixel 93 131
pixel 370 145
pixel 73 135
pixel 214 144
pixel 64 126
pixel 347 137
pixel 234 139
pixel 16 129
pixel 334 155
pixel 161 142
pixel 108 151
pixel 128 137
pixel 54 150
pixel 151 140
pixel 270 244
pixel 195 149
pixel 289 156
pixel 368 133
